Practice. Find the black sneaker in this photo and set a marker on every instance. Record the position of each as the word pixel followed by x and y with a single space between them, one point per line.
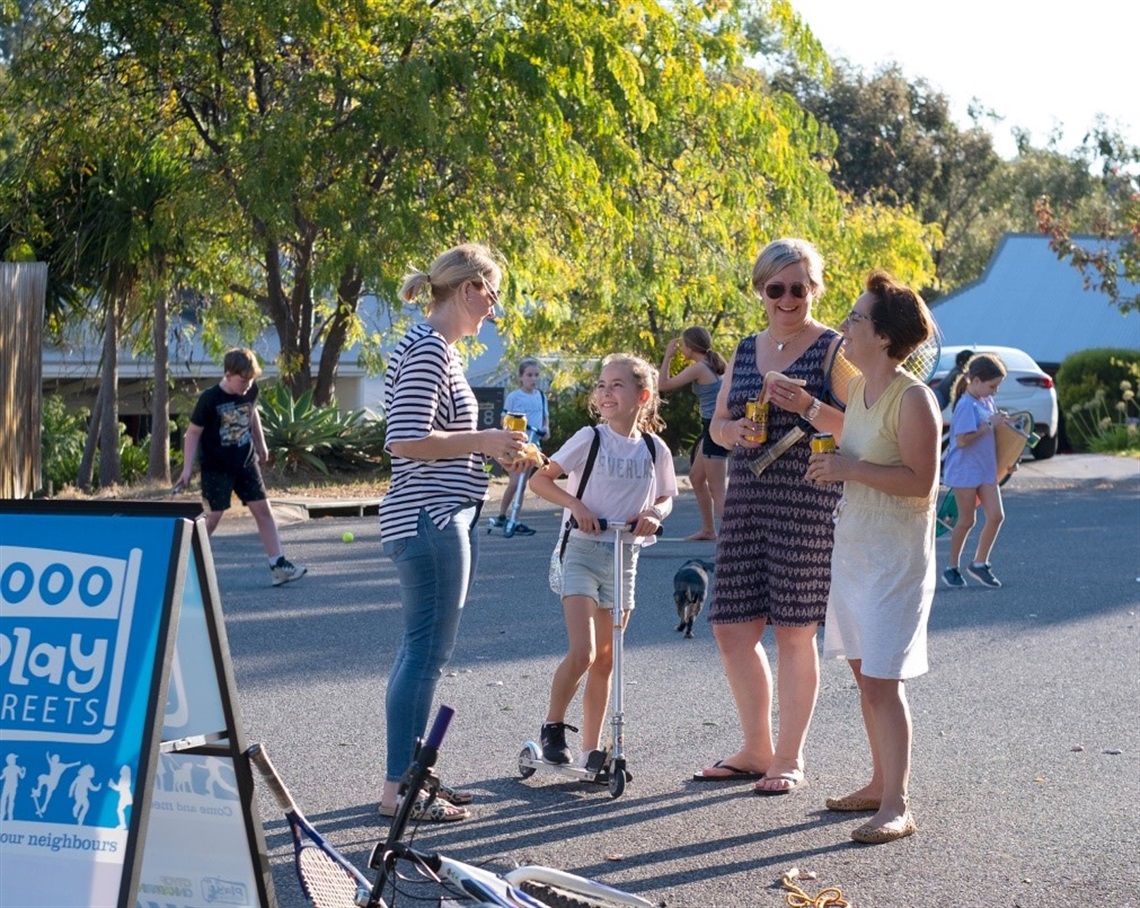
pixel 597 763
pixel 983 574
pixel 496 522
pixel 284 571
pixel 953 577
pixel 521 529
pixel 553 738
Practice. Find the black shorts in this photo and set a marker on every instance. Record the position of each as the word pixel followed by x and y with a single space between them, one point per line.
pixel 708 447
pixel 218 488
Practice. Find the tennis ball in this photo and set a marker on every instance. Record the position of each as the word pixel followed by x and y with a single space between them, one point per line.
pixel 348 537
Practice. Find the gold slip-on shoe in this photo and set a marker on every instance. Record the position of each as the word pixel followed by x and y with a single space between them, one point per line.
pixel 852 803
pixel 880 835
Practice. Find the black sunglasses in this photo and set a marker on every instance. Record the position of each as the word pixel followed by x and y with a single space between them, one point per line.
pixel 775 290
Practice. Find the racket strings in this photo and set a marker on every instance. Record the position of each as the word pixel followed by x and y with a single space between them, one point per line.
pixel 326 882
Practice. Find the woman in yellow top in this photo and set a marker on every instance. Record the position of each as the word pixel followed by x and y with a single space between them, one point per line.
pixel 882 564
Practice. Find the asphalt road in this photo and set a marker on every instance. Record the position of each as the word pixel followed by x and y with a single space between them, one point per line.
pixel 1026 779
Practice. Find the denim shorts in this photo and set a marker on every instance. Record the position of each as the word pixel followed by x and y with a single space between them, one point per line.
pixel 588 570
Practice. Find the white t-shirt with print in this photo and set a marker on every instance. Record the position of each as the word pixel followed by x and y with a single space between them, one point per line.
pixel 624 481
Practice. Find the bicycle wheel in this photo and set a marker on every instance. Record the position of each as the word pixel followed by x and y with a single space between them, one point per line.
pixel 555 897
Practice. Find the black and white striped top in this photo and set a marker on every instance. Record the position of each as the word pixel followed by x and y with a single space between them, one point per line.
pixel 425 389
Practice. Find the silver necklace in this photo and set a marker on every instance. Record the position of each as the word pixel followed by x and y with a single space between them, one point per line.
pixel 780 345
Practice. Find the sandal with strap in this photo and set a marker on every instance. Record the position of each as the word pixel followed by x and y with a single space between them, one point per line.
pixel 435 811
pixel 455 796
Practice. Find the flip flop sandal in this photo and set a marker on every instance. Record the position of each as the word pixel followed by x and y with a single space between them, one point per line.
pixel 730 774
pixel 436 811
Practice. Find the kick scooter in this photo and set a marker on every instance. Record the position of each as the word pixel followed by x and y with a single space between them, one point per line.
pixel 611 769
pixel 512 520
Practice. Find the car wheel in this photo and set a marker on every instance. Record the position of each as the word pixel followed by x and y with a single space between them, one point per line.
pixel 1045 448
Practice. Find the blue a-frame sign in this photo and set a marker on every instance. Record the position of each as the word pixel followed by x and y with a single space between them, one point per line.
pixel 122 776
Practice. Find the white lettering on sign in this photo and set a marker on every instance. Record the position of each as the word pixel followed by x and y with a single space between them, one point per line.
pixel 65 621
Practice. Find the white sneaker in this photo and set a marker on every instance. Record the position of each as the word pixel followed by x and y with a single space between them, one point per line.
pixel 284 571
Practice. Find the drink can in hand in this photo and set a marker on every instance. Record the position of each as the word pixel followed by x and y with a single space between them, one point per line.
pixel 515 422
pixel 823 443
pixel 757 411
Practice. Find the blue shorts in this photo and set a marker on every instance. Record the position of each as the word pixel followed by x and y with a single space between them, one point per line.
pixel 588 570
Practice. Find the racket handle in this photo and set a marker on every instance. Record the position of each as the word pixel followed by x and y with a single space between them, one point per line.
pixel 439 727
pixel 259 758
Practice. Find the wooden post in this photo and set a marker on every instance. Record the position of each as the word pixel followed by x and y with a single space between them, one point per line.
pixel 23 288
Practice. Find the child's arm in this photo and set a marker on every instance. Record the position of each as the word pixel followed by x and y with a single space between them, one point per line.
pixel 543 485
pixel 189 452
pixel 258 436
pixel 965 439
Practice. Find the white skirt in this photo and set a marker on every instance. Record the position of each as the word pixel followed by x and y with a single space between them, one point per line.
pixel 883 575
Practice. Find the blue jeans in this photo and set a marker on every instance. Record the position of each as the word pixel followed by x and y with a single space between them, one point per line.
pixel 436 569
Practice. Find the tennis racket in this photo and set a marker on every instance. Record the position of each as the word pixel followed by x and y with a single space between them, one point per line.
pixel 327 878
pixel 922 364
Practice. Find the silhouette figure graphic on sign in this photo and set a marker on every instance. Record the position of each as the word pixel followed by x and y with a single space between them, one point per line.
pixel 126 799
pixel 216 782
pixel 183 776
pixel 46 783
pixel 11 774
pixel 81 787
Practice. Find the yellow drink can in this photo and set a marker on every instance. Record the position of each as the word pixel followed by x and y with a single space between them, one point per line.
pixel 515 422
pixel 757 411
pixel 823 443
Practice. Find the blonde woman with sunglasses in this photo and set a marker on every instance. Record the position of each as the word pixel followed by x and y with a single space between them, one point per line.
pixel 773 552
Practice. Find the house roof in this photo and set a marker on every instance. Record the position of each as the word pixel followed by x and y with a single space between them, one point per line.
pixel 1030 299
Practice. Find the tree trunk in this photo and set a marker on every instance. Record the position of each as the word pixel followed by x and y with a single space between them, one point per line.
pixel 87 462
pixel 158 466
pixel 110 466
pixel 348 297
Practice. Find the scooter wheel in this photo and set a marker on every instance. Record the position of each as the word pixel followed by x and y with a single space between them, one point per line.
pixel 617 779
pixel 527 754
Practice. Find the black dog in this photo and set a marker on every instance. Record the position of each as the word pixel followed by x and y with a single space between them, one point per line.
pixel 690 586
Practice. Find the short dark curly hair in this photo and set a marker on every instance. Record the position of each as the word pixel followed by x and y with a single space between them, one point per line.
pixel 898 314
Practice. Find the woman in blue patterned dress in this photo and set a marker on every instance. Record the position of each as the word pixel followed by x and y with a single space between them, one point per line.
pixel 773 552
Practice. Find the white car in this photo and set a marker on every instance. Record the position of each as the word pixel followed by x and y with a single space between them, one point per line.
pixel 1026 387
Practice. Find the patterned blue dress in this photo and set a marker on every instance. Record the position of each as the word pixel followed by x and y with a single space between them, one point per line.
pixel 773 553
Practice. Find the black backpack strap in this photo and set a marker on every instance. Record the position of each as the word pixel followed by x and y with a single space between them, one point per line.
pixel 648 436
pixel 586 470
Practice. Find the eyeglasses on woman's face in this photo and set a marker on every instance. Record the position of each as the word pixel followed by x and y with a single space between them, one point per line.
pixel 775 290
pixel 854 317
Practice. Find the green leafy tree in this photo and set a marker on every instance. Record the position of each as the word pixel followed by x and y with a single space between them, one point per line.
pixel 1110 260
pixel 621 155
pixel 900 147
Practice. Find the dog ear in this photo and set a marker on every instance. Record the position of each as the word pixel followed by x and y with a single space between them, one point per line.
pixel 709 565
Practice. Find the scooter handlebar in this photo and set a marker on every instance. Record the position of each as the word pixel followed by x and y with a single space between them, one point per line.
pixel 605 525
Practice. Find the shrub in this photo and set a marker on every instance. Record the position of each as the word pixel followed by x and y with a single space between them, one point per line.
pixel 61 442
pixel 1095 391
pixel 300 434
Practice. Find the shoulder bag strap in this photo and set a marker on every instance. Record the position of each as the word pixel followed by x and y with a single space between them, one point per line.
pixel 586 470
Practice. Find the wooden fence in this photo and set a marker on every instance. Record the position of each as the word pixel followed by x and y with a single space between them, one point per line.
pixel 23 287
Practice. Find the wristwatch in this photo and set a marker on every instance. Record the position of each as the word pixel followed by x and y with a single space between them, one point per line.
pixel 813 411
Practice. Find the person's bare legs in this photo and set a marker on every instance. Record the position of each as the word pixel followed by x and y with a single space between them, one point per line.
pixel 716 475
pixel 891 724
pixel 797 674
pixel 995 516
pixel 266 527
pixel 599 679
pixel 873 789
pixel 966 500
pixel 699 481
pixel 750 680
pixel 580 612
pixel 213 518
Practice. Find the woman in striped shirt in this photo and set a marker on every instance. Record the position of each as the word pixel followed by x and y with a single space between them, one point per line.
pixel 429 519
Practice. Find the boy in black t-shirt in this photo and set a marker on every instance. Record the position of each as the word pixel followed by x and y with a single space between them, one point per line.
pixel 226 428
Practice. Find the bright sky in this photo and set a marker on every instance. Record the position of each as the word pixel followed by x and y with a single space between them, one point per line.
pixel 1038 65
